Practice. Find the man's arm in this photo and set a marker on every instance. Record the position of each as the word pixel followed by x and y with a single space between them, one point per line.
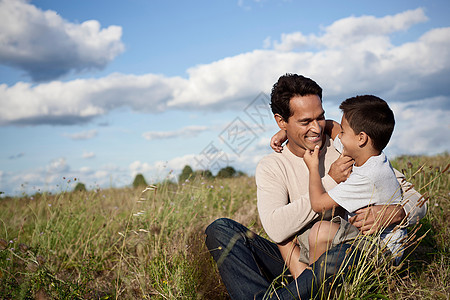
pixel 281 216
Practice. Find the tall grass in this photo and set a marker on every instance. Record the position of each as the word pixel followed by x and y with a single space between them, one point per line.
pixel 134 244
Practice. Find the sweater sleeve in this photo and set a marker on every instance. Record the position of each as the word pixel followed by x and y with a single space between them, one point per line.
pixel 280 216
pixel 415 205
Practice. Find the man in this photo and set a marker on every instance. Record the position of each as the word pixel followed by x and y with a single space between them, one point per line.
pixel 248 263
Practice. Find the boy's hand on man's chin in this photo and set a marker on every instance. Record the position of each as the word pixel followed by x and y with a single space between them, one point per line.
pixel 311 158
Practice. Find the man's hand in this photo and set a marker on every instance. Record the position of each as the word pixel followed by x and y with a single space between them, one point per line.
pixel 341 168
pixel 371 219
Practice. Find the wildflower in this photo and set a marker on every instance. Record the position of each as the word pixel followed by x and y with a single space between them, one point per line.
pixel 49 205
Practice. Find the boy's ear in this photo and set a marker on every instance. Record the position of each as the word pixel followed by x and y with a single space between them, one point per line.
pixel 363 139
pixel 280 121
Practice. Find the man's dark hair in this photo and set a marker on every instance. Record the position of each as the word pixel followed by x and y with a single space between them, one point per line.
pixel 372 115
pixel 288 86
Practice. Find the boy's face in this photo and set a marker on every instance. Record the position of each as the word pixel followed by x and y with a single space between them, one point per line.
pixel 349 139
pixel 306 125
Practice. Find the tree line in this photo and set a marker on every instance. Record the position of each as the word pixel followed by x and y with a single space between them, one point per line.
pixel 186 174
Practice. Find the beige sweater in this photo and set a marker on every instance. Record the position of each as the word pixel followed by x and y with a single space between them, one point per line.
pixel 282 181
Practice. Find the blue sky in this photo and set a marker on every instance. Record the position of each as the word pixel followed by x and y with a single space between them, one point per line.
pixel 103 90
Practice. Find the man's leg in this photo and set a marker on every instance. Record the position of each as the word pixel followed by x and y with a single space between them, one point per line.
pixel 247 262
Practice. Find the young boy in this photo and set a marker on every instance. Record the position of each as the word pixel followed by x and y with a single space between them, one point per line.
pixel 366 127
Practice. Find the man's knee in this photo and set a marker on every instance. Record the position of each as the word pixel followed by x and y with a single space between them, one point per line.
pixel 217 226
pixel 219 232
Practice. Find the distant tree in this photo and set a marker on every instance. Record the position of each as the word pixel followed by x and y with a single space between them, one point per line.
pixel 207 174
pixel 240 173
pixel 80 187
pixel 186 173
pixel 227 172
pixel 139 181
pixel 204 174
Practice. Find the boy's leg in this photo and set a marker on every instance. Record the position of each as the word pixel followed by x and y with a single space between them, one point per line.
pixel 290 252
pixel 320 238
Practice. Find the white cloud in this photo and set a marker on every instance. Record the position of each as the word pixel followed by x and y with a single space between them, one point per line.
pixel 46 46
pixel 351 56
pixel 189 131
pixel 58 166
pixel 88 155
pixel 354 56
pixel 58 176
pixel 353 30
pixel 84 135
pixel 80 100
pixel 290 41
pixel 422 127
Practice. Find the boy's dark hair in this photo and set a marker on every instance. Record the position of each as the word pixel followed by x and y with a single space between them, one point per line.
pixel 372 115
pixel 288 86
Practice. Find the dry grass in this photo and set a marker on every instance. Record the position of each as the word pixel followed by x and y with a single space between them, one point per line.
pixel 125 244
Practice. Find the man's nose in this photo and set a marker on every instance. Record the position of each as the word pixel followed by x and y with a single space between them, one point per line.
pixel 315 125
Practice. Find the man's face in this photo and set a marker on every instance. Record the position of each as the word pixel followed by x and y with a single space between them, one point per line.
pixel 306 125
pixel 349 139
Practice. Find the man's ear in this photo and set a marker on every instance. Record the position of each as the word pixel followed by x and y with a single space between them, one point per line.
pixel 363 139
pixel 280 121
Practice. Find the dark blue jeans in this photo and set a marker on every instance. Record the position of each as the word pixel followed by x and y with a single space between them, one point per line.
pixel 251 266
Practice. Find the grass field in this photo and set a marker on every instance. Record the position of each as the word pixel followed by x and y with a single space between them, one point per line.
pixel 134 244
